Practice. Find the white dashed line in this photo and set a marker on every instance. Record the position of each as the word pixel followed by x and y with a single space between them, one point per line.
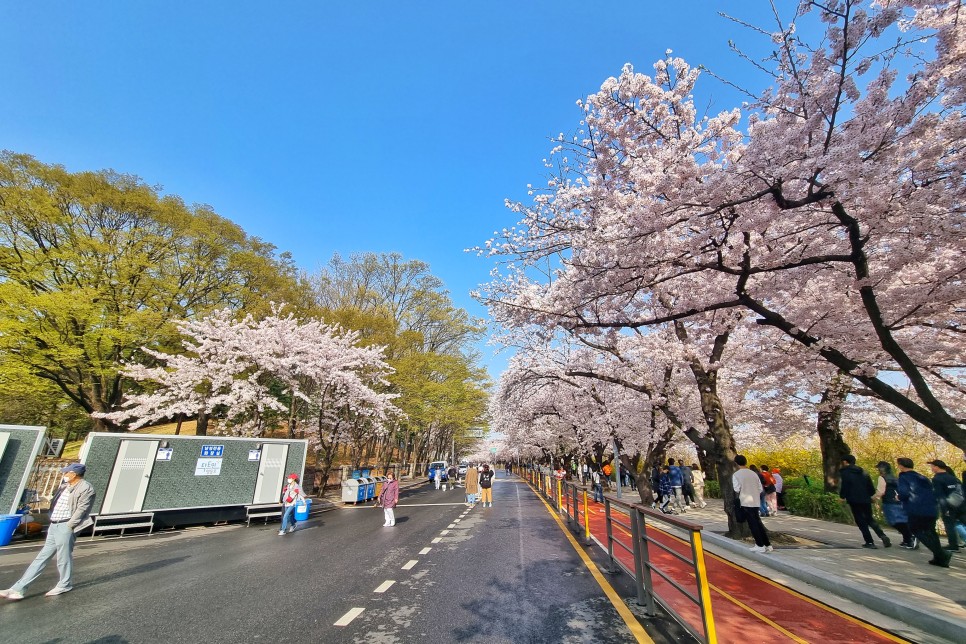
pixel 425 551
pixel 384 586
pixel 444 532
pixel 348 617
pixel 436 540
pixel 410 564
pixel 452 525
pixel 457 520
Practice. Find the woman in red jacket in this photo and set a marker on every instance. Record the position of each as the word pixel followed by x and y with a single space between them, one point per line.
pixel 388 499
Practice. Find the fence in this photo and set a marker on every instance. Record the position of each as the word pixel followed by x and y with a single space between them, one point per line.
pixel 44 479
pixel 649 551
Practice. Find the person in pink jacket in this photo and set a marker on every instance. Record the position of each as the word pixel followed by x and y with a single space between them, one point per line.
pixel 388 499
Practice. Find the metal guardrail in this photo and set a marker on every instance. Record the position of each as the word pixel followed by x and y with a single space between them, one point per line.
pixel 571 500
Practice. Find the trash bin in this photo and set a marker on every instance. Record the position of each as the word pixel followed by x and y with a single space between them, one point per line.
pixel 351 489
pixel 380 481
pixel 370 491
pixel 302 509
pixel 8 525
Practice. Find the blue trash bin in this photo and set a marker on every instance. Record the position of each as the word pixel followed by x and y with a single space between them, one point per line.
pixel 302 510
pixel 8 525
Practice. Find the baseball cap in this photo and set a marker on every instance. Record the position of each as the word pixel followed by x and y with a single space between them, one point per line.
pixel 293 476
pixel 77 468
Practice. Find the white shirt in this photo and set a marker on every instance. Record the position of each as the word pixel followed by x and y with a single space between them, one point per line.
pixel 748 486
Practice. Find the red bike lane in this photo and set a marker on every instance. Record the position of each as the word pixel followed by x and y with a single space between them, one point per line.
pixel 745 605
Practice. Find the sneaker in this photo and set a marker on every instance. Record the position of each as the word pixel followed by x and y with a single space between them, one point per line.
pixel 758 549
pixel 11 594
pixel 291 528
pixel 704 505
pixel 58 590
pixel 915 543
pixel 769 549
pixel 887 542
pixel 870 546
pixel 906 545
pixel 951 549
pixel 281 533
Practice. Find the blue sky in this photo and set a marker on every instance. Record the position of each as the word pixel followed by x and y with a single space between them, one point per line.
pixel 326 127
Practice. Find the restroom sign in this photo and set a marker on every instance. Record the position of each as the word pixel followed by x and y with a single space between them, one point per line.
pixel 212 451
pixel 208 467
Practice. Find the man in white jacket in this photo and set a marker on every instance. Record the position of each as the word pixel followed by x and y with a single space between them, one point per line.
pixel 747 486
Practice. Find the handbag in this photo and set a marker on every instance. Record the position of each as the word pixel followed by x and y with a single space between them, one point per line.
pixel 955 498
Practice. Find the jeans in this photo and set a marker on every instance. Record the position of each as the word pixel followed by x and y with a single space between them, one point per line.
pixel 60 541
pixel 288 517
pixel 598 493
pixel 756 526
pixel 679 503
pixel 863 518
pixel 763 507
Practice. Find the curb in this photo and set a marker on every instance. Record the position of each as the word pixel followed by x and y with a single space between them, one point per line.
pixel 941 626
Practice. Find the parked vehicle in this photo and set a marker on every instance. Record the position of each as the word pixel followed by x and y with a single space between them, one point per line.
pixel 437 465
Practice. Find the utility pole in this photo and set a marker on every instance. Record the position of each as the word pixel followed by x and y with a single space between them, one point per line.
pixel 617 468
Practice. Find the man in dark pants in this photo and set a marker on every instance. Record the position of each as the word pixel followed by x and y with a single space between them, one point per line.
pixel 919 502
pixel 856 488
pixel 748 488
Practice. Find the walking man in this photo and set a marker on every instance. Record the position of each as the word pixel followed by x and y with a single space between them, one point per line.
pixel 919 502
pixel 72 504
pixel 486 485
pixel 748 487
pixel 857 489
pixel 598 490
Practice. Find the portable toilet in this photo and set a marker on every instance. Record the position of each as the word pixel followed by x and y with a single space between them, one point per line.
pixel 19 447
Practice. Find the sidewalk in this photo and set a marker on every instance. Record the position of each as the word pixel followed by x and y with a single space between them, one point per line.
pixel 831 566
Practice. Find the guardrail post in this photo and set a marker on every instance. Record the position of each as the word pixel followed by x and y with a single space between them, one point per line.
pixel 642 570
pixel 704 591
pixel 612 567
pixel 586 520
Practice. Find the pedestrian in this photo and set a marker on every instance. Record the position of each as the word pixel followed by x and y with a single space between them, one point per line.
pixel 779 487
pixel 856 489
pixel 771 490
pixel 887 491
pixel 438 476
pixel 291 496
pixel 472 486
pixel 451 475
pixel 388 499
pixel 949 493
pixel 70 513
pixel 688 488
pixel 656 484
pixel 919 501
pixel 762 508
pixel 486 482
pixel 665 490
pixel 698 475
pixel 677 485
pixel 747 485
pixel 584 474
pixel 598 488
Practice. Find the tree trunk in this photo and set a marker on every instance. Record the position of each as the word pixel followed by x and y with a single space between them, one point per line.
pixel 831 442
pixel 202 429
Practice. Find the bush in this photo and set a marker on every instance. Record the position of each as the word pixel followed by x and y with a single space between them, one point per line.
pixel 812 502
pixel 712 490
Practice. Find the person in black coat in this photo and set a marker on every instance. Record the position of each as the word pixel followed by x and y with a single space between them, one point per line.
pixel 856 488
pixel 919 501
pixel 946 485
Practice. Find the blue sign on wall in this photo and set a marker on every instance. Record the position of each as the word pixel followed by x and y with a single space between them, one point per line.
pixel 212 451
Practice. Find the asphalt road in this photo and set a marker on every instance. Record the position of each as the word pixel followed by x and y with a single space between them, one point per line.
pixel 500 574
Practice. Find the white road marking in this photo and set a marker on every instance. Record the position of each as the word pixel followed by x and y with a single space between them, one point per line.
pixel 384 586
pixel 444 532
pixel 457 520
pixel 436 540
pixel 346 619
pixel 425 551
pixel 410 564
pixel 452 525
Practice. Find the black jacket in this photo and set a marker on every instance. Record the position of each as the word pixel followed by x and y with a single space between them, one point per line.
pixel 855 485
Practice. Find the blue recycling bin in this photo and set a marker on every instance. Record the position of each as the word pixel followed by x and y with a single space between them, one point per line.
pixel 8 525
pixel 302 510
pixel 370 488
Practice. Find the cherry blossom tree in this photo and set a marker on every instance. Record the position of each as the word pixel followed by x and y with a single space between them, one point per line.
pixel 830 209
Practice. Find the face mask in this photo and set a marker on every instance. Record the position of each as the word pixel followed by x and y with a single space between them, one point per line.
pixel 66 480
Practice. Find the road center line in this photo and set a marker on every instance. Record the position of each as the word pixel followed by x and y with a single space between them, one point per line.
pixel 410 564
pixel 452 525
pixel 346 619
pixel 425 551
pixel 436 540
pixel 384 586
pixel 444 532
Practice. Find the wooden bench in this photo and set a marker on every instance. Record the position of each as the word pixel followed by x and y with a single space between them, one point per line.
pixel 122 522
pixel 262 511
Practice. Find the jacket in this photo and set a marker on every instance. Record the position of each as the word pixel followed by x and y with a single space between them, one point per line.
pixel 80 502
pixel 677 479
pixel 292 491
pixel 917 496
pixel 390 494
pixel 472 482
pixel 944 484
pixel 855 486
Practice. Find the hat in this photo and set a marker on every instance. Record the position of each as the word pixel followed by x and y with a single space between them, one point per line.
pixel 938 463
pixel 294 476
pixel 77 468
